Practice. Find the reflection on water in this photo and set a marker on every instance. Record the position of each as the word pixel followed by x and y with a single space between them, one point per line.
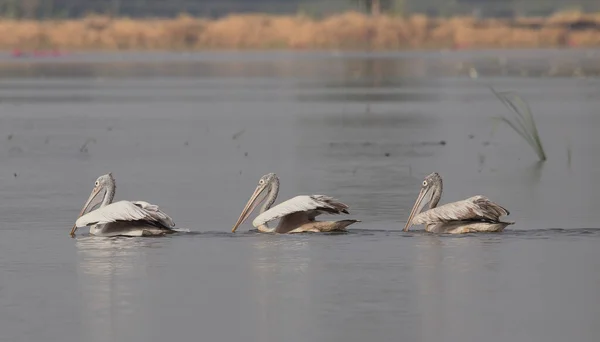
pixel 380 68
pixel 429 282
pixel 111 273
pixel 281 278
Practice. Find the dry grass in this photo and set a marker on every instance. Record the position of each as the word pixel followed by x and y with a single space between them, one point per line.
pixel 344 31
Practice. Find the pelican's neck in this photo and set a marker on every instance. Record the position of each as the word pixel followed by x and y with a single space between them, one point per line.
pixel 110 194
pixel 437 195
pixel 271 197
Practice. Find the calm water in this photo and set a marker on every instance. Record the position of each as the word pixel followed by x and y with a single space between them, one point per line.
pixel 194 132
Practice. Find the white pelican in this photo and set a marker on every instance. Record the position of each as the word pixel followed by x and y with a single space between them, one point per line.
pixel 297 214
pixel 474 214
pixel 123 218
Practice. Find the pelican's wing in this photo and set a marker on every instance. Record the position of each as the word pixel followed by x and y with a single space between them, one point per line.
pixel 126 211
pixel 313 205
pixel 476 208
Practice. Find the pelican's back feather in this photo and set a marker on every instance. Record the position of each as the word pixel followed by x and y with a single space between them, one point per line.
pixel 126 211
pixel 313 205
pixel 476 208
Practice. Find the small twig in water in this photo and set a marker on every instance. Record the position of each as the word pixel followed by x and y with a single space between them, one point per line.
pixel 569 152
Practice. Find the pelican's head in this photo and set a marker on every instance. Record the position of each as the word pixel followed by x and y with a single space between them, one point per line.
pixel 102 188
pixel 265 185
pixel 431 190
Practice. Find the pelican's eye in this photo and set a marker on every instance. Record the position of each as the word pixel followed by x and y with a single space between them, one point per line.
pixel 424 183
pixel 261 182
pixel 96 184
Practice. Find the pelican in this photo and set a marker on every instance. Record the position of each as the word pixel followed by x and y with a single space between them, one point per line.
pixel 123 218
pixel 474 214
pixel 297 214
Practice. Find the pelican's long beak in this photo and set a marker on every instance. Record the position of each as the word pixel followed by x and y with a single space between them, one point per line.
pixel 416 208
pixel 253 202
pixel 85 207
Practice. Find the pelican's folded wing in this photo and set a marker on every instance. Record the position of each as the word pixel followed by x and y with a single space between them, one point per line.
pixel 313 205
pixel 126 211
pixel 476 208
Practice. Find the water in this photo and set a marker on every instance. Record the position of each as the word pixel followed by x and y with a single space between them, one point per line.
pixel 194 132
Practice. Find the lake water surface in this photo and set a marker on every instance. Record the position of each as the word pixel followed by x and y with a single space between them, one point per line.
pixel 193 133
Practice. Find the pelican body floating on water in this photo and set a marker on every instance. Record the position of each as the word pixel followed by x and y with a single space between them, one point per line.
pixel 474 214
pixel 122 218
pixel 297 214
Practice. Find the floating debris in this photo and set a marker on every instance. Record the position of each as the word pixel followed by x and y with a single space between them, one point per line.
pixel 433 143
pixel 84 147
pixel 238 134
pixel 387 154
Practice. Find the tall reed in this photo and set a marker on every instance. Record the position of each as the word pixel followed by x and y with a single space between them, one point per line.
pixel 521 121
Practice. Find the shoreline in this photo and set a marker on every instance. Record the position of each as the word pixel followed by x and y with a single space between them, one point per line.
pixel 349 31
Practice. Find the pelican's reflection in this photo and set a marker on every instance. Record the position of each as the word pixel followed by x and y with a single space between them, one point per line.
pixel 281 283
pixel 446 274
pixel 109 273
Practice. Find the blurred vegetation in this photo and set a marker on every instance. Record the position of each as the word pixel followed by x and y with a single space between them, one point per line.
pixel 349 30
pixel 297 24
pixel 49 9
